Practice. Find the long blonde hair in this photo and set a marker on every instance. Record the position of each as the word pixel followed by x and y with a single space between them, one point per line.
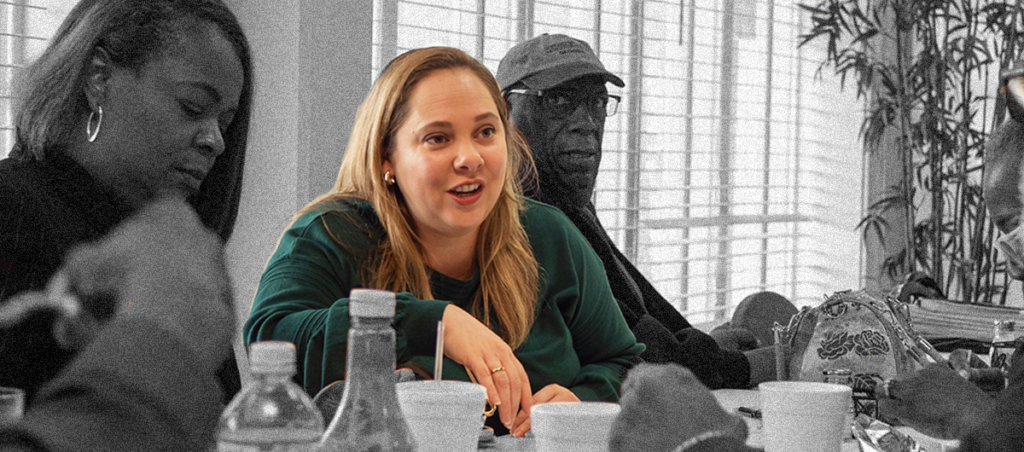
pixel 509 272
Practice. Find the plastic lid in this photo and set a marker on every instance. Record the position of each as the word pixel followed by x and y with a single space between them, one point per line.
pixel 371 303
pixel 272 357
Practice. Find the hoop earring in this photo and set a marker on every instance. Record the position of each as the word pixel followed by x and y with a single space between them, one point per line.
pixel 389 179
pixel 89 130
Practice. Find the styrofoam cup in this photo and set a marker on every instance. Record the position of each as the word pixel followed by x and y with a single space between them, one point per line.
pixel 801 416
pixel 575 426
pixel 443 415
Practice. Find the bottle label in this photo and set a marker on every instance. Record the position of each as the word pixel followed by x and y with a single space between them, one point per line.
pixel 224 446
pixel 263 440
pixel 1003 336
pixel 227 446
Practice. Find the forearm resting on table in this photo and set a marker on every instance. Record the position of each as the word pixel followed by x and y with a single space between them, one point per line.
pixel 1001 427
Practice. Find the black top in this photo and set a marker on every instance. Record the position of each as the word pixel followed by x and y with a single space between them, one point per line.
pixel 47 207
pixel 654 321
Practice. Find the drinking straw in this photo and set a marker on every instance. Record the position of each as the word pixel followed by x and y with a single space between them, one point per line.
pixel 439 350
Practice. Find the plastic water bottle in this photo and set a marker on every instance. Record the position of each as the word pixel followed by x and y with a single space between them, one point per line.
pixel 843 377
pixel 369 418
pixel 273 414
pixel 1003 336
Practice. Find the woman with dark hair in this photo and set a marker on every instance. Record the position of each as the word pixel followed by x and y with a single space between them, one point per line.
pixel 131 99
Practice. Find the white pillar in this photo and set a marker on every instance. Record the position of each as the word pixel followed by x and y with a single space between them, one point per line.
pixel 312 63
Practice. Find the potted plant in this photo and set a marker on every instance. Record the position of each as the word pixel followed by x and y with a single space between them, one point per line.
pixel 927 70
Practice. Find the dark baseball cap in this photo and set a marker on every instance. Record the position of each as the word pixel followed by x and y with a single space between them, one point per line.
pixel 548 60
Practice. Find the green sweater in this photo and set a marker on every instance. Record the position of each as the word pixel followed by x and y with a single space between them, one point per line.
pixel 579 338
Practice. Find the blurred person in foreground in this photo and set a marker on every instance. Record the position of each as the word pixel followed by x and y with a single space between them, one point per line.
pixel 664 407
pixel 428 204
pixel 936 400
pixel 555 88
pixel 131 99
pixel 146 379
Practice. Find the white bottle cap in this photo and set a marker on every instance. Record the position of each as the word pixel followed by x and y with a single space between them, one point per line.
pixel 371 303
pixel 272 357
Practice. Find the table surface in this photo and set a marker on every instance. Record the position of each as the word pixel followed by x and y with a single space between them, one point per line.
pixel 510 443
pixel 730 399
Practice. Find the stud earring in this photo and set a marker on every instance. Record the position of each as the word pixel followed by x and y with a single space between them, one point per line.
pixel 91 132
pixel 389 179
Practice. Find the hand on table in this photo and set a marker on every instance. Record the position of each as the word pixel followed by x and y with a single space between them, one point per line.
pixel 472 344
pixel 936 401
pixel 550 393
pixel 663 405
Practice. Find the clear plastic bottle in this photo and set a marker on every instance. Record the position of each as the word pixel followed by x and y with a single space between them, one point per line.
pixel 273 414
pixel 843 377
pixel 369 418
pixel 1003 336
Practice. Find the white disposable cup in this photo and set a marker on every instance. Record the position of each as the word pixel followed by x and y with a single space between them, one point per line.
pixel 803 416
pixel 12 404
pixel 572 426
pixel 443 415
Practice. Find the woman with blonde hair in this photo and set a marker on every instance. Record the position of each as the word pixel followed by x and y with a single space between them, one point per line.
pixel 427 204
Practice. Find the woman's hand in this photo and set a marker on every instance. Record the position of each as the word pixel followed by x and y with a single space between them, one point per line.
pixel 550 393
pixel 472 344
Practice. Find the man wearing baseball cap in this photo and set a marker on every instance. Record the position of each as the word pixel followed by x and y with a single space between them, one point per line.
pixel 556 90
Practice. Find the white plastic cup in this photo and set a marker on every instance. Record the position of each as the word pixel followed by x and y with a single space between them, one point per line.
pixel 572 426
pixel 803 416
pixel 12 404
pixel 443 415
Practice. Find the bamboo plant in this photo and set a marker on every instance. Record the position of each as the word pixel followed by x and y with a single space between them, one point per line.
pixel 937 96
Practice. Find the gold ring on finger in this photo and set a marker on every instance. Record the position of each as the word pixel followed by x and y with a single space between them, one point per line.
pixel 490 411
pixel 497 369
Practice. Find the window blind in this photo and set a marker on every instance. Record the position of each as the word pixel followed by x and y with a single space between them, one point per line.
pixel 12 44
pixel 25 28
pixel 730 168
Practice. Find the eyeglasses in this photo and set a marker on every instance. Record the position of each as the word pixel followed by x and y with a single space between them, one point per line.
pixel 564 103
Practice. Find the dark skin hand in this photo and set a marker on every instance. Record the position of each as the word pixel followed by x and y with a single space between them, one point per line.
pixel 936 401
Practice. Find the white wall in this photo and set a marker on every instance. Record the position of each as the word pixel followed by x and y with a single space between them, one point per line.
pixel 312 63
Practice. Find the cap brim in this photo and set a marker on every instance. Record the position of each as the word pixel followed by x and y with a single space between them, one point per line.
pixel 556 76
